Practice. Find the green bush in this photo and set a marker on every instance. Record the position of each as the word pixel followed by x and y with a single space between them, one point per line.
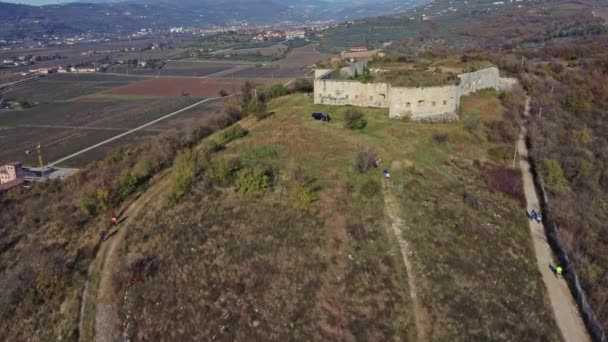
pixel 257 108
pixel 185 168
pixel 221 169
pixel 305 195
pixel 252 181
pixel 304 85
pixel 88 204
pixel 500 154
pixel 552 172
pixel 274 91
pixel 214 146
pixel 371 188
pixel 233 133
pixel 354 119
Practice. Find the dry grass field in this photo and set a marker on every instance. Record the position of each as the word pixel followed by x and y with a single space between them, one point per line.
pixel 321 263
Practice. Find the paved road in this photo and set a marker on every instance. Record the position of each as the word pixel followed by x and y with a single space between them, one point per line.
pixel 564 307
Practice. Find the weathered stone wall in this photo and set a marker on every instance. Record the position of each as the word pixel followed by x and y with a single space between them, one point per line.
pixel 421 103
pixel 353 93
pixel 475 81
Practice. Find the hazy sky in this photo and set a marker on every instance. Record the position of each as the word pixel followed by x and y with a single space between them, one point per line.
pixel 37 2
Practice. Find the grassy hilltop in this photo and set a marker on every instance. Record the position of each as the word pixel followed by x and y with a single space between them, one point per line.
pixel 284 234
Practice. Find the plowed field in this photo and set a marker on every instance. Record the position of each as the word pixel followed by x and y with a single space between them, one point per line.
pixel 204 87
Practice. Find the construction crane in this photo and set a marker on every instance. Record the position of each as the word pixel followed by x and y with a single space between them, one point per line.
pixel 39 149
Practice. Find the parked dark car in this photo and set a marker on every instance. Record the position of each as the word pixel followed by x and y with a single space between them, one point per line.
pixel 321 116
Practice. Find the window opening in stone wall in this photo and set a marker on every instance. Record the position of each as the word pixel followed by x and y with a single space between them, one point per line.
pixel 408 104
pixel 445 102
pixel 371 98
pixel 434 103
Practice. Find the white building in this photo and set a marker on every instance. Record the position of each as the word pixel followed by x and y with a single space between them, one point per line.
pixel 10 172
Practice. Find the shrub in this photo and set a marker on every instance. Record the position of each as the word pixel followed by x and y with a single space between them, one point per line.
pixel 507 181
pixel 500 154
pixel 258 109
pixel 233 133
pixel 185 168
pixel 303 85
pixel 364 159
pixel 223 93
pixel 499 131
pixel 440 138
pixel 253 181
pixel 305 195
pixel 471 123
pixel 88 204
pixel 583 136
pixel 552 172
pixel 353 119
pixel 274 91
pixel 214 146
pixel 371 188
pixel 221 169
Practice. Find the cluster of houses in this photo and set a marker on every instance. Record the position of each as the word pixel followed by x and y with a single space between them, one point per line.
pixel 63 70
pixel 274 34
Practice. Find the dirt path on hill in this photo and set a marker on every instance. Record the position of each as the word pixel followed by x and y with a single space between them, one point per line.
pixel 564 307
pixel 101 299
pixel 398 226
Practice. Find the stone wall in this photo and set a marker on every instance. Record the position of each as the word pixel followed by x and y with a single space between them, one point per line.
pixel 475 81
pixel 421 103
pixel 336 92
pixel 417 103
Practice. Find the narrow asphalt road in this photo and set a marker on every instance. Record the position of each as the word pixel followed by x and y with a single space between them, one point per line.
pixel 564 307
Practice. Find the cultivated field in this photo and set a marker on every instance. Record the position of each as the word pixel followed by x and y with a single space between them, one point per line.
pixel 168 86
pixel 295 64
pixel 269 51
pixel 66 127
pixel 61 87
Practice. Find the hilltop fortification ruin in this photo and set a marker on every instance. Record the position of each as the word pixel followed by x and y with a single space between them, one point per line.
pixel 416 103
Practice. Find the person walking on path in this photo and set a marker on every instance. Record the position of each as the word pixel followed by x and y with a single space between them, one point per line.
pixel 114 220
pixel 559 271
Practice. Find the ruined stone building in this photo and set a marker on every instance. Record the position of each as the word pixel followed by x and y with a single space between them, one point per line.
pixel 416 103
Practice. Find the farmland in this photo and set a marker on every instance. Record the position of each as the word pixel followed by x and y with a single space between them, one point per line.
pixel 73 111
pixel 169 86
pixel 295 64
pixel 61 87
pixel 65 127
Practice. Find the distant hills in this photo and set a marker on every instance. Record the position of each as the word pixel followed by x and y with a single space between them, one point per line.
pixel 110 16
pixel 469 24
